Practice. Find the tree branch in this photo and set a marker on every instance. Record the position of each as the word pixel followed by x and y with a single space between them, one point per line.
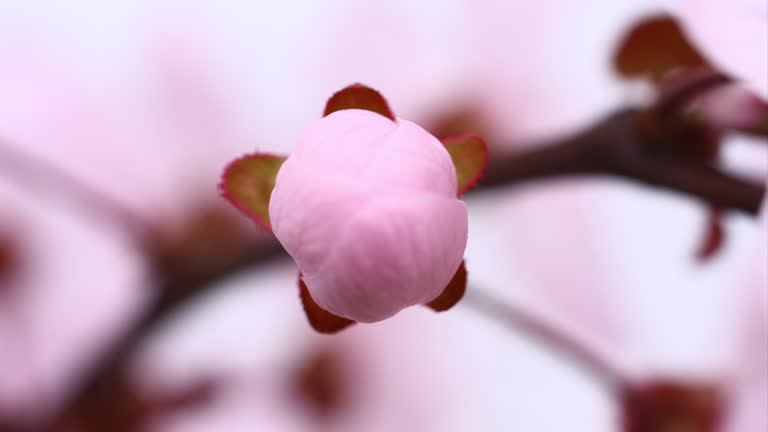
pixel 180 285
pixel 613 147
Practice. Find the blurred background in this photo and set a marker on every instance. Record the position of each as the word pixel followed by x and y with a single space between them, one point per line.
pixel 117 118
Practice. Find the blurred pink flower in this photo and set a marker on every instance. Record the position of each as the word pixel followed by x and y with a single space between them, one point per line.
pixel 511 79
pixel 152 142
pixel 734 35
pixel 734 107
pixel 367 207
pixel 414 55
pixel 77 287
pixel 713 370
pixel 151 146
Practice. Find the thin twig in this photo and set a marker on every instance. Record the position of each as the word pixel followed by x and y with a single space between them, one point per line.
pixel 18 164
pixel 553 338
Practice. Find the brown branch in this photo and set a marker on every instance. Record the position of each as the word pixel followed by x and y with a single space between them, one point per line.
pixel 179 287
pixel 186 267
pixel 614 147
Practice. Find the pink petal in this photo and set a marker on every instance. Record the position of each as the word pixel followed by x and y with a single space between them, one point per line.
pixel 339 163
pixel 735 107
pixel 396 252
pixel 367 208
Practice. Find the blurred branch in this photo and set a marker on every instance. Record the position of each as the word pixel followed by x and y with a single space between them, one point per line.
pixel 176 290
pixel 207 258
pixel 211 248
pixel 554 338
pixel 615 147
pixel 23 166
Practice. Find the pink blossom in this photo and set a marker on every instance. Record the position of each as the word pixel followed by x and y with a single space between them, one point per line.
pixel 142 152
pixel 733 107
pixel 734 35
pixel 367 207
pixel 639 326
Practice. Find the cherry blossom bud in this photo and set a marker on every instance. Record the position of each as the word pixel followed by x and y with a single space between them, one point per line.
pixel 367 207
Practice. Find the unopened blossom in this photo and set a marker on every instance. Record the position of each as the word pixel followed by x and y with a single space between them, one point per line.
pixel 367 208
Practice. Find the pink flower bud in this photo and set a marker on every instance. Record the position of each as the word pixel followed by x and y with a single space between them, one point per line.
pixel 367 208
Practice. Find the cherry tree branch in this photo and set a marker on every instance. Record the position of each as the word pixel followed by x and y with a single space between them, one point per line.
pixel 181 275
pixel 613 147
pixel 178 286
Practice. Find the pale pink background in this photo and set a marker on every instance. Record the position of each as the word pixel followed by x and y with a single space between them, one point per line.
pixel 129 96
